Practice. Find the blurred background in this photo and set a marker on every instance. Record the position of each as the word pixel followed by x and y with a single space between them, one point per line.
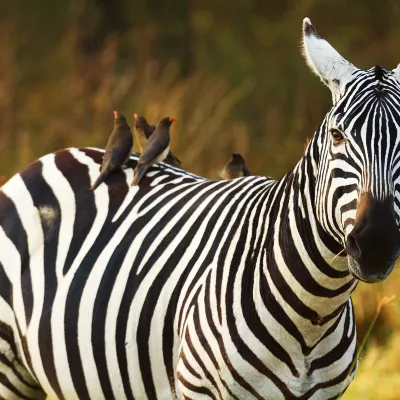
pixel 230 71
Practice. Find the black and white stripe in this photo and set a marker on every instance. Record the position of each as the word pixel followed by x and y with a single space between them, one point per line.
pixel 184 286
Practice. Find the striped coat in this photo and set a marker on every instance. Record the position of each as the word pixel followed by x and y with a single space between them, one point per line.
pixel 182 288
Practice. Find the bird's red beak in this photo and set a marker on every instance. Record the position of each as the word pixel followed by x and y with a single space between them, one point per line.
pixel 115 114
pixel 172 119
pixel 135 116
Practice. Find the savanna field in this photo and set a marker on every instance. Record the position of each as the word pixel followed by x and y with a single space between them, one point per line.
pixel 233 77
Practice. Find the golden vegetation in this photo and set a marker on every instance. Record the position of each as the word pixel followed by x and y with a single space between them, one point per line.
pixel 378 376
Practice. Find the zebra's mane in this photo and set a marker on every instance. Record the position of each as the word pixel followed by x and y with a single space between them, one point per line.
pixel 379 72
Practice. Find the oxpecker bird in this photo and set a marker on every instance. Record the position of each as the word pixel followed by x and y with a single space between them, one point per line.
pixel 118 149
pixel 143 131
pixel 236 168
pixel 156 149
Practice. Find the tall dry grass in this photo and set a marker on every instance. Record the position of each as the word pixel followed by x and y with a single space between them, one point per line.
pixel 68 101
pixel 378 376
pixel 74 108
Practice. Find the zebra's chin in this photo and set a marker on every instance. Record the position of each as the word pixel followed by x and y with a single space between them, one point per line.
pixel 356 271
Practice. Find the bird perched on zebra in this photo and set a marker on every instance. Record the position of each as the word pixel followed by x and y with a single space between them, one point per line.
pixel 156 150
pixel 236 168
pixel 192 288
pixel 143 131
pixel 118 149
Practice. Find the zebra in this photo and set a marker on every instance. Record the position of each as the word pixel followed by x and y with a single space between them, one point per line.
pixel 188 288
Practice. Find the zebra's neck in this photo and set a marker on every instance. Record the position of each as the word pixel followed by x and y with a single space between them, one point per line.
pixel 299 265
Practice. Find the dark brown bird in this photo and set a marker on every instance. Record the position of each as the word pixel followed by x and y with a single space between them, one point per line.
pixel 236 168
pixel 156 149
pixel 118 149
pixel 143 131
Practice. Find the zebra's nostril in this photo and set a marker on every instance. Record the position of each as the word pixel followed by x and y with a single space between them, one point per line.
pixel 352 247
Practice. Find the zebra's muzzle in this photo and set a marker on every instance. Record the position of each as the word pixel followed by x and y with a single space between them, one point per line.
pixel 354 269
pixel 374 243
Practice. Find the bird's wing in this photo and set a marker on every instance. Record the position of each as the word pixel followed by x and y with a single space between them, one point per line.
pixel 120 149
pixel 106 159
pixel 109 149
pixel 154 148
pixel 120 155
pixel 246 171
pixel 149 131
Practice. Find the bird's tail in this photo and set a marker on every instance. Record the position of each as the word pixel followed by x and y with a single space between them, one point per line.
pixel 102 177
pixel 140 172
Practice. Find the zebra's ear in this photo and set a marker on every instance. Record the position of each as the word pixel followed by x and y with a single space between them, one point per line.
pixel 396 72
pixel 325 61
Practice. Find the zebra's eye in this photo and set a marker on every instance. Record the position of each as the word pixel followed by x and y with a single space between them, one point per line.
pixel 337 136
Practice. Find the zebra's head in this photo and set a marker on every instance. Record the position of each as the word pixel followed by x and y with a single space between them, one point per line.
pixel 356 159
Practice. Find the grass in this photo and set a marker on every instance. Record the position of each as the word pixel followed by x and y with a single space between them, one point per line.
pixel 378 375
pixel 384 302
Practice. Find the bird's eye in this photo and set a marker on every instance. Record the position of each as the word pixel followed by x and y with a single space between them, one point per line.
pixel 337 136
